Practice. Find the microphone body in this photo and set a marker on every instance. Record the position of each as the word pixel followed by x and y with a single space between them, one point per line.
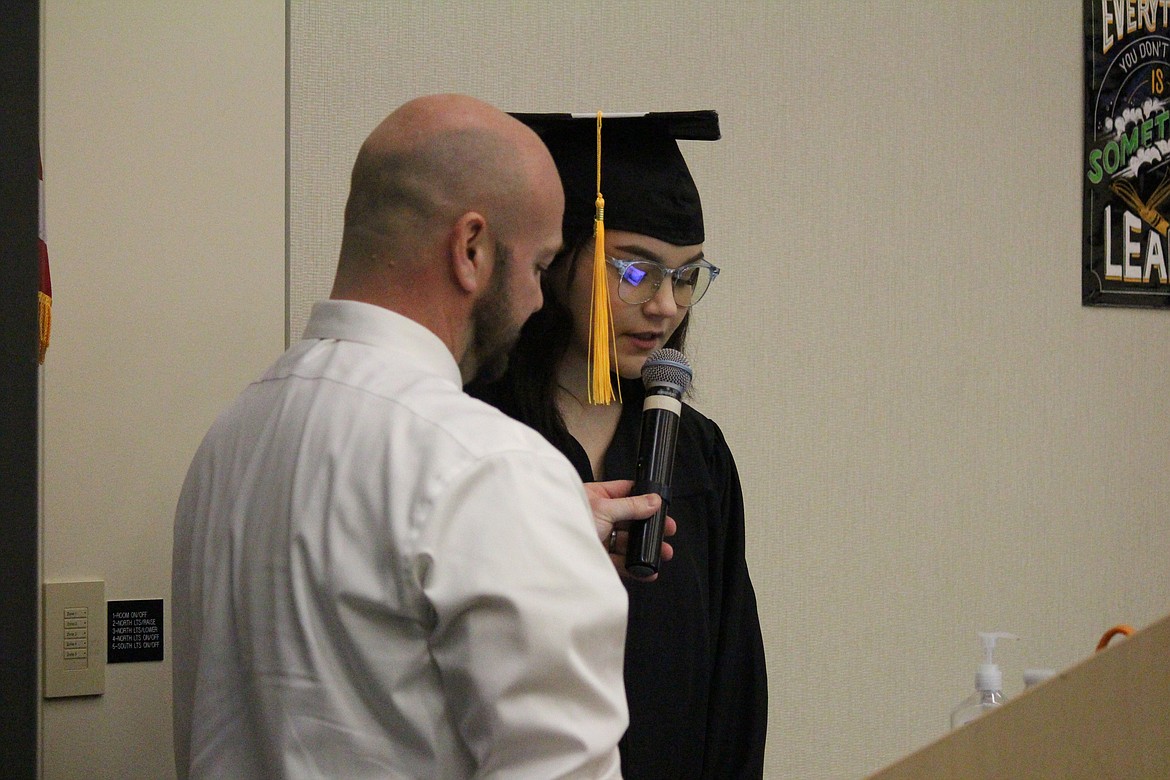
pixel 666 375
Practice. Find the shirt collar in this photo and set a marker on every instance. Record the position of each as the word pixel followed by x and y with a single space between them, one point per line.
pixel 365 323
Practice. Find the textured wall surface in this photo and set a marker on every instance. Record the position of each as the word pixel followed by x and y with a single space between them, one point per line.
pixel 935 438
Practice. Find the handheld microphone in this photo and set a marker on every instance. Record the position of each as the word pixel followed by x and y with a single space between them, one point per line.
pixel 666 375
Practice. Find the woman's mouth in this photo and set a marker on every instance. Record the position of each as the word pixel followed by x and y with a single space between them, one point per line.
pixel 644 341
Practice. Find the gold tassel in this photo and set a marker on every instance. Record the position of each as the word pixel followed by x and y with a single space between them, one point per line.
pixel 46 318
pixel 601 335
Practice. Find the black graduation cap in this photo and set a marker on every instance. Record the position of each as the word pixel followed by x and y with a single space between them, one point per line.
pixel 625 171
pixel 647 186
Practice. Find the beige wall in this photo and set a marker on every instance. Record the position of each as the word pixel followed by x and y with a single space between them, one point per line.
pixel 935 438
pixel 163 144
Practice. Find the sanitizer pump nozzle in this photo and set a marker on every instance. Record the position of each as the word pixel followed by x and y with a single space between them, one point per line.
pixel 988 683
pixel 989 677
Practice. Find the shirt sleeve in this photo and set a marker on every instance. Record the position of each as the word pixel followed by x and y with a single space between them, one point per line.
pixel 529 619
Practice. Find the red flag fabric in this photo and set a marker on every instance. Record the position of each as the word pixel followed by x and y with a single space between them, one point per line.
pixel 45 294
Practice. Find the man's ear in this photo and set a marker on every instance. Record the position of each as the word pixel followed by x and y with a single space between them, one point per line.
pixel 472 251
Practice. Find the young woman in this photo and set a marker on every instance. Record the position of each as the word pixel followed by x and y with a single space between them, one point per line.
pixel 694 669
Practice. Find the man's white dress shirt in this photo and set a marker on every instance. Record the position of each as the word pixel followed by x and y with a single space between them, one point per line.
pixel 376 575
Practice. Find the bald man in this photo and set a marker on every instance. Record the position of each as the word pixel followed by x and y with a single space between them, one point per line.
pixel 374 574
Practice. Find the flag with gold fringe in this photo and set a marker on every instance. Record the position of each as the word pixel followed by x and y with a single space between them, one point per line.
pixel 45 294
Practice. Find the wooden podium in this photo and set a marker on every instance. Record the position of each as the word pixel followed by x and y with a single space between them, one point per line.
pixel 1107 717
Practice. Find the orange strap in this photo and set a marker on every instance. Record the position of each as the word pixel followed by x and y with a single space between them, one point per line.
pixel 1108 635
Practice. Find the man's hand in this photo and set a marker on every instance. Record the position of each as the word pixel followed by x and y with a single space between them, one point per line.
pixel 613 510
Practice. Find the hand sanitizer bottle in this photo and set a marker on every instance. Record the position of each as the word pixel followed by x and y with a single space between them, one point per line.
pixel 988 683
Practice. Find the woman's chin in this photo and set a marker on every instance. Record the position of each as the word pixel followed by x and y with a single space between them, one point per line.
pixel 630 367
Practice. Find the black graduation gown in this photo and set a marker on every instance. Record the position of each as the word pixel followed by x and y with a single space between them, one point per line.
pixel 694 668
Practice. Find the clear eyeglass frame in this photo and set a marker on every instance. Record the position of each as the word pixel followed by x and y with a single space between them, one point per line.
pixel 640 280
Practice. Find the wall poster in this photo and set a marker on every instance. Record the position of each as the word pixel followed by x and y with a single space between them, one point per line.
pixel 1127 153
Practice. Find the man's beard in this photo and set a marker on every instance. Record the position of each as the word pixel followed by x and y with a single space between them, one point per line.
pixel 494 333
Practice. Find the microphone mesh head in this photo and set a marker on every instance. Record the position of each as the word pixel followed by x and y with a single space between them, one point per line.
pixel 667 366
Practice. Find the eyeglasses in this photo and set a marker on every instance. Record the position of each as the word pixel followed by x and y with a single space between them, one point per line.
pixel 640 280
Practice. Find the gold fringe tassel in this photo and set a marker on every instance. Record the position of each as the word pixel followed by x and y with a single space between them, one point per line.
pixel 601 335
pixel 46 318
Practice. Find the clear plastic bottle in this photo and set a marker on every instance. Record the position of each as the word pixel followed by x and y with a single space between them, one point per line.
pixel 988 683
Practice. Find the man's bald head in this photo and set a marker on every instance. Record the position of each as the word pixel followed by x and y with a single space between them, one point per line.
pixel 432 160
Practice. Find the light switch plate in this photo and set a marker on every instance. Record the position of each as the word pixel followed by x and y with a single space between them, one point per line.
pixel 74 632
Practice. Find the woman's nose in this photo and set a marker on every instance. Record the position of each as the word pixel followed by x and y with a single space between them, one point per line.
pixel 662 303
